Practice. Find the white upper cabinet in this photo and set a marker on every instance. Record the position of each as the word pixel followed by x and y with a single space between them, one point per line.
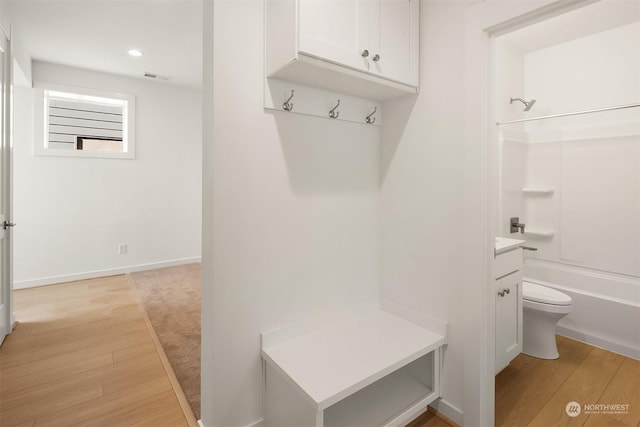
pixel 366 48
pixel 394 39
pixel 337 31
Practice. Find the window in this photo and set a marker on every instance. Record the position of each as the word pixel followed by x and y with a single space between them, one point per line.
pixel 83 123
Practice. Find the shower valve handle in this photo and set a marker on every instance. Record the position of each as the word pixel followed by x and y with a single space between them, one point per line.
pixel 515 225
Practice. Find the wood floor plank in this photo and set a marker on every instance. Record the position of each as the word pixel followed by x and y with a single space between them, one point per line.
pixel 605 421
pixel 28 423
pixel 598 376
pixel 117 373
pixel 585 385
pixel 135 412
pixel 35 347
pixel 45 364
pixel 114 384
pixel 171 418
pixel 532 391
pixel 51 403
pixel 83 354
pixel 90 319
pixel 102 407
pixel 428 419
pixel 513 373
pixel 624 389
pixel 11 385
pixel 134 351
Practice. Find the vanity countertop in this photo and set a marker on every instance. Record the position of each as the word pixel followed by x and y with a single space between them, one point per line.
pixel 504 244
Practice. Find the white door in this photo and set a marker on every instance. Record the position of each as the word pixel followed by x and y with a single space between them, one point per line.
pixel 508 319
pixel 6 312
pixel 395 39
pixel 335 30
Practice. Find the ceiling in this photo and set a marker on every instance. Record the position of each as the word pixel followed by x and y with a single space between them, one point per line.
pixel 96 35
pixel 594 18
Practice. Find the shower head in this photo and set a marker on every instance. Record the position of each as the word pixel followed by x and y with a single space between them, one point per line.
pixel 527 104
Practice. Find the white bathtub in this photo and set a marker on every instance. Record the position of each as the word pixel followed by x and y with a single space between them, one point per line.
pixel 606 309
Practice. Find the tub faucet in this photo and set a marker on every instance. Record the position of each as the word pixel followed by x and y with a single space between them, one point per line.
pixel 515 225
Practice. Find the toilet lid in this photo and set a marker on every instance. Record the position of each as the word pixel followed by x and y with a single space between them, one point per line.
pixel 543 294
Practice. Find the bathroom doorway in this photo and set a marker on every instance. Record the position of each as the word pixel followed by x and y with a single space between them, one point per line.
pixel 566 98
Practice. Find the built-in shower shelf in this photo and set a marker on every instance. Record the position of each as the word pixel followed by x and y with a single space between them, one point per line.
pixel 540 232
pixel 538 190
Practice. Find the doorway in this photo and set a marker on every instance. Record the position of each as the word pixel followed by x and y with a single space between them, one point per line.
pixel 567 150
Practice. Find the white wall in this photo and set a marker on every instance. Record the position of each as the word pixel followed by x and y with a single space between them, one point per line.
pixel 73 212
pixel 423 190
pixel 291 220
pixel 4 16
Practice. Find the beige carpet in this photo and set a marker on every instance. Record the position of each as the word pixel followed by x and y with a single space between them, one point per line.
pixel 171 298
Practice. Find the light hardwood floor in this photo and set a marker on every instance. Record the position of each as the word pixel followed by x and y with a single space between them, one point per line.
pixel 83 353
pixel 534 392
pixel 430 419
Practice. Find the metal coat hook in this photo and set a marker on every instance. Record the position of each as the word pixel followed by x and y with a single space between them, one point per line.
pixel 287 106
pixel 333 113
pixel 370 120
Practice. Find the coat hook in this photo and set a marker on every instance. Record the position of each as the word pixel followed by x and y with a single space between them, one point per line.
pixel 287 106
pixel 370 120
pixel 333 113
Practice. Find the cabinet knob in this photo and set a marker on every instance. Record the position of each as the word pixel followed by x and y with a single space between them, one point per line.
pixel 501 293
pixel 376 58
pixel 507 291
pixel 365 53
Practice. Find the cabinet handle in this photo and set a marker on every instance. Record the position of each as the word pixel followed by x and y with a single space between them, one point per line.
pixel 501 293
pixel 507 291
pixel 365 53
pixel 376 58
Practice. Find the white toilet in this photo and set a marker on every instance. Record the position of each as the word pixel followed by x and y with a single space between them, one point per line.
pixel 543 307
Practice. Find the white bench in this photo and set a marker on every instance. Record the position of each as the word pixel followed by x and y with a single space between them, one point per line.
pixel 364 368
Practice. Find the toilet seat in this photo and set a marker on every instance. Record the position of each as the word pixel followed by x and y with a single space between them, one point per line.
pixel 548 308
pixel 543 295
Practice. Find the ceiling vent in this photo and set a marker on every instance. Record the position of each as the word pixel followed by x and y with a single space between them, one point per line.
pixel 155 76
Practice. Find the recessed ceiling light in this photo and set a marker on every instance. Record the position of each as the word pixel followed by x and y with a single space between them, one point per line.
pixel 135 52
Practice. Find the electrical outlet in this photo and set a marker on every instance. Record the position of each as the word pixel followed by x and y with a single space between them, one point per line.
pixel 122 248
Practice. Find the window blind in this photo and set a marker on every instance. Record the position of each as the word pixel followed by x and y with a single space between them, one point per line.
pixel 72 121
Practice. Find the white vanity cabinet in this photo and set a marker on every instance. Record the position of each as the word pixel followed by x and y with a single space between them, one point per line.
pixel 508 301
pixel 365 48
pixel 508 295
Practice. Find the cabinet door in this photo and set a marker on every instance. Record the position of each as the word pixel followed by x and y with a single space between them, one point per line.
pixel 335 30
pixel 395 37
pixel 508 319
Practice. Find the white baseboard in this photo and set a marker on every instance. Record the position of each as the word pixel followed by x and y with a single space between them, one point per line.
pixel 259 423
pixel 448 410
pixel 32 283
pixel 599 342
